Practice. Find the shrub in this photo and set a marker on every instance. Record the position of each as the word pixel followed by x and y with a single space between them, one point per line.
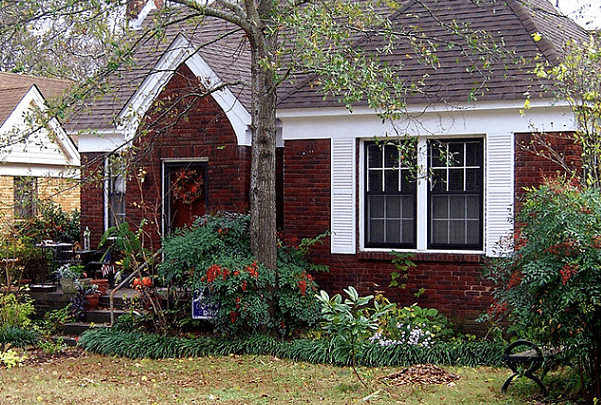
pixel 549 283
pixel 52 223
pixel 213 257
pixel 15 312
pixel 18 337
pixel 413 325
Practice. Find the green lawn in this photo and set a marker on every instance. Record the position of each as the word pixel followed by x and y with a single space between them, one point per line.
pixel 93 379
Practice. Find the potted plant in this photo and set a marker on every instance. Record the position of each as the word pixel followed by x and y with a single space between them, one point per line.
pixel 68 278
pixel 92 296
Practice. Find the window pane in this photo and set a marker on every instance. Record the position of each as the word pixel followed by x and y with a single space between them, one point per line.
pixel 456 157
pixel 439 180
pixel 455 180
pixel 376 231
pixel 375 181
pixel 440 207
pixel 392 180
pixel 438 154
pixel 393 231
pixel 407 181
pixel 374 156
pixel 439 232
pixel 408 207
pixel 25 193
pixel 408 232
pixel 391 156
pixel 473 181
pixel 473 154
pixel 473 207
pixel 473 232
pixel 393 207
pixel 376 207
pixel 457 232
pixel 457 207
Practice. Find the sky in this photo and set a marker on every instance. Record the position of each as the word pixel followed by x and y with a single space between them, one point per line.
pixel 586 12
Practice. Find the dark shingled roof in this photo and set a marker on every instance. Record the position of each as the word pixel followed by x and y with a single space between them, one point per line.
pixel 219 43
pixel 13 88
pixel 452 79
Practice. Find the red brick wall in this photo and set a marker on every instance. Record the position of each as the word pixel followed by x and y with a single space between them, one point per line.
pixel 531 165
pixel 179 127
pixel 92 196
pixel 451 282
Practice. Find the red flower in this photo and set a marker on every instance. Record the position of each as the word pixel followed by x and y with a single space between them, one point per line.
pixel 252 269
pixel 515 279
pixel 213 272
pixel 233 316
pixel 302 285
pixel 567 271
pixel 243 286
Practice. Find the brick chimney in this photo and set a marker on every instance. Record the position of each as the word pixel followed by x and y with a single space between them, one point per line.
pixel 135 7
pixel 137 10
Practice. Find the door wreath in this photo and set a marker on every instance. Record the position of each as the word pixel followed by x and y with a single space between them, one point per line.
pixel 188 186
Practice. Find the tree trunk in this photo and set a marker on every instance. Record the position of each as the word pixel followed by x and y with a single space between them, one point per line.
pixel 263 126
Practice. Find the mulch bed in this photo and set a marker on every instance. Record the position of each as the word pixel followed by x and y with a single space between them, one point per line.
pixel 421 374
pixel 38 356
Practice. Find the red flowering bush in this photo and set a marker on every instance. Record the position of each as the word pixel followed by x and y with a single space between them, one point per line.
pixel 549 280
pixel 214 257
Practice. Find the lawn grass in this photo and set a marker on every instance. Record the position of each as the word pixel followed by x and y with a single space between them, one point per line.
pixel 94 379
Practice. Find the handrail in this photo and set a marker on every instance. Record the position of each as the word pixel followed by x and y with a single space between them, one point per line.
pixel 138 272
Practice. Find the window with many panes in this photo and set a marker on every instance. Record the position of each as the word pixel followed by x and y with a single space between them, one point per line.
pixel 115 190
pixel 25 193
pixel 455 197
pixel 390 197
pixel 451 199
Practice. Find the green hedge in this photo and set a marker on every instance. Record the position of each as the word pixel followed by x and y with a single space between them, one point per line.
pixel 111 342
pixel 18 337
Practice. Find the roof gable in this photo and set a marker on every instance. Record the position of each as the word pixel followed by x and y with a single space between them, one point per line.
pixel 181 51
pixel 44 150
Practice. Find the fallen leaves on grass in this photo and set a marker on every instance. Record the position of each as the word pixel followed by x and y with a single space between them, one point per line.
pixel 421 374
pixel 38 356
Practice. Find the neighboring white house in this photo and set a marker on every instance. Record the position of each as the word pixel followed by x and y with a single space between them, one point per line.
pixel 36 161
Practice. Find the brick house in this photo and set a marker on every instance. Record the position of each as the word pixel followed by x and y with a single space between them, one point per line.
pixel 331 174
pixel 43 163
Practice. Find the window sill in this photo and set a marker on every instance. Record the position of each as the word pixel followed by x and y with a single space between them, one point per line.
pixel 432 256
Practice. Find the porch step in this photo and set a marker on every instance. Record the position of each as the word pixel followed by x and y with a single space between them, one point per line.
pixel 102 315
pixel 77 328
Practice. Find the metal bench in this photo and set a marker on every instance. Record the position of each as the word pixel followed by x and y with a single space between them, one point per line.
pixel 524 355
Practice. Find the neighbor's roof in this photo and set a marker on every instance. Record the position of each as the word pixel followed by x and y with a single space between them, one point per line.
pixel 13 87
pixel 452 79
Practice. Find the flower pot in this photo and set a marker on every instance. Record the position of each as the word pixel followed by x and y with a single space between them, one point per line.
pixel 103 285
pixel 92 301
pixel 68 285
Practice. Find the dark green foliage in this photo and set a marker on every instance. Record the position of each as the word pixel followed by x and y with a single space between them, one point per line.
pixel 213 257
pixel 18 337
pixel 52 223
pixel 110 342
pixel 550 283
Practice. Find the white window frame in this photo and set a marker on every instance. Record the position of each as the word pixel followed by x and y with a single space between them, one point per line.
pixel 422 197
pixel 107 194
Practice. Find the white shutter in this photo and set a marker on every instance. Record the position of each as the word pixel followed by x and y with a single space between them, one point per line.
pixel 499 190
pixel 342 216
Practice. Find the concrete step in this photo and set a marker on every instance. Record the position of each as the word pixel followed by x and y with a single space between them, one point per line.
pixel 103 315
pixel 77 328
